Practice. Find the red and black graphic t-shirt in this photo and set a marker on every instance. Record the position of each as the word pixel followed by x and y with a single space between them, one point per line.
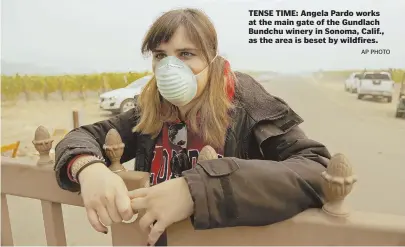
pixel 175 137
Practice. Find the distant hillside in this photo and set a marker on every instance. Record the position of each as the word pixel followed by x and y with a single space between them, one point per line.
pixel 8 68
pixel 12 68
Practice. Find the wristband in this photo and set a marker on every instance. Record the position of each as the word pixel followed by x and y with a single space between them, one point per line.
pixel 82 163
pixel 82 168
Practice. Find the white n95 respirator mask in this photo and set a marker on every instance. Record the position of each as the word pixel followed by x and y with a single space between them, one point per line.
pixel 176 82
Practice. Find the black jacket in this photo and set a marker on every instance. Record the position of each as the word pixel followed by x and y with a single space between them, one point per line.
pixel 269 173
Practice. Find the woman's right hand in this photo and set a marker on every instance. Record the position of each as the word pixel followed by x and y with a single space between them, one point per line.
pixel 105 197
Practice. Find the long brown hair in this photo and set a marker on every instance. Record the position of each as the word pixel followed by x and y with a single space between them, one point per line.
pixel 209 116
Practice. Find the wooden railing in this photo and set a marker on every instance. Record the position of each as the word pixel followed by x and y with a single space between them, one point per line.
pixel 332 225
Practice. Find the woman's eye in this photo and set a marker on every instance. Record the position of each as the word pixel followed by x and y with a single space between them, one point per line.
pixel 159 56
pixel 186 54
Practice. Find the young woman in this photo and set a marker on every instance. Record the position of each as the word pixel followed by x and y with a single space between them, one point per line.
pixel 267 171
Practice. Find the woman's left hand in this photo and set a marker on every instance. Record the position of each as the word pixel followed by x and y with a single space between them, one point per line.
pixel 165 203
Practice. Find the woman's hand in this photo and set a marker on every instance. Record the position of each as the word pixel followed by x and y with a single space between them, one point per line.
pixel 105 197
pixel 164 204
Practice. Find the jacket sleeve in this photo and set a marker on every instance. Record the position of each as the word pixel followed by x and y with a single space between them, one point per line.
pixel 89 139
pixel 237 192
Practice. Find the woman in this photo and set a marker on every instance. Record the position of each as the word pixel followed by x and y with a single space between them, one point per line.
pixel 270 171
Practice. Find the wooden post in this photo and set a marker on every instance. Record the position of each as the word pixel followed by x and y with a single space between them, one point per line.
pixel 43 144
pixel 6 231
pixel 114 149
pixel 76 123
pixel 337 183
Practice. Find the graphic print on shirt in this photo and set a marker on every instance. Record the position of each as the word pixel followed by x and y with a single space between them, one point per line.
pixel 163 172
pixel 173 139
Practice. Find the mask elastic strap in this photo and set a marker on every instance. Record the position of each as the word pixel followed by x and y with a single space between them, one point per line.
pixel 214 58
pixel 208 65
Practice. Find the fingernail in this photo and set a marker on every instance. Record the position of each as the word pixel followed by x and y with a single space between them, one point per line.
pixel 105 232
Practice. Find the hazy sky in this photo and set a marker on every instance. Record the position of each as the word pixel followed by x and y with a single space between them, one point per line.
pixel 105 35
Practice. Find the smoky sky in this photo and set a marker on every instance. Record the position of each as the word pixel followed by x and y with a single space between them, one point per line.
pixel 101 35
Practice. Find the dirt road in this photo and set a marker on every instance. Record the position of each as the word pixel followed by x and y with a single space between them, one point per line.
pixel 365 131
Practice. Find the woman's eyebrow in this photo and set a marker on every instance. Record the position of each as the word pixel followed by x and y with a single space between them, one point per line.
pixel 187 49
pixel 158 50
pixel 177 50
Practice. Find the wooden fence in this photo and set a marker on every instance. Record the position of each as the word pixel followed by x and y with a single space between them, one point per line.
pixel 332 225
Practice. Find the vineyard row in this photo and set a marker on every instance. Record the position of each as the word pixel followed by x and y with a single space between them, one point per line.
pixel 13 86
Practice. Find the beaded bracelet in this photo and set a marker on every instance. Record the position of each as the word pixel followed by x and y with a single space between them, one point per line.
pixel 82 163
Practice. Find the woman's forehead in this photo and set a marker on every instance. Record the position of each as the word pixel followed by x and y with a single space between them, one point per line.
pixel 179 41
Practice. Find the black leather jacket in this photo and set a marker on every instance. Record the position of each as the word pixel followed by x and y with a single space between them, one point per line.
pixel 269 173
